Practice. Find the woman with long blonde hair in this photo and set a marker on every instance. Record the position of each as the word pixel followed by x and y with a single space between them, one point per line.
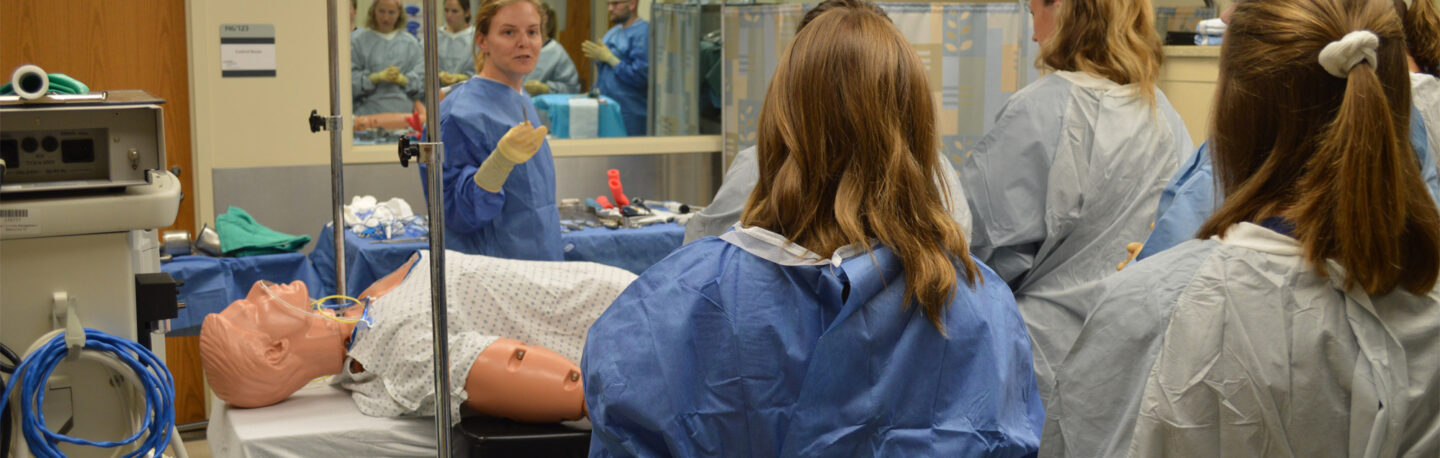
pixel 844 316
pixel 1072 169
pixel 1305 323
pixel 387 67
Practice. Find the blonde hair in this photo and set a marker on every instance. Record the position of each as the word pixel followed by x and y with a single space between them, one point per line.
pixel 1329 154
pixel 863 167
pixel 399 20
pixel 486 13
pixel 1115 39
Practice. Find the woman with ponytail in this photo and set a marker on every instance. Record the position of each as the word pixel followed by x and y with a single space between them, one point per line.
pixel 1305 323
pixel 844 316
pixel 1189 198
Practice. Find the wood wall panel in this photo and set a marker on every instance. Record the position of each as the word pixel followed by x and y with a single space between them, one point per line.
pixel 111 45
pixel 576 31
pixel 182 355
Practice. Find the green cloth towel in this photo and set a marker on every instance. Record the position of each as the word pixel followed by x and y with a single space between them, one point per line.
pixel 60 83
pixel 240 236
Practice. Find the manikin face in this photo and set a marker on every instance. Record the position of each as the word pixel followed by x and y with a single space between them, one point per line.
pixel 620 11
pixel 454 15
pixel 386 13
pixel 512 44
pixel 1043 18
pixel 262 348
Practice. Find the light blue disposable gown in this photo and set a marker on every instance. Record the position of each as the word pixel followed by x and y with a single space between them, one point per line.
pixel 628 82
pixel 742 346
pixel 456 50
pixel 520 221
pixel 1190 197
pixel 556 70
pixel 1070 173
pixel 372 52
pixel 1237 347
pixel 724 210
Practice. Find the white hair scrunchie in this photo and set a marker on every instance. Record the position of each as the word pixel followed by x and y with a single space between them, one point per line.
pixel 1340 56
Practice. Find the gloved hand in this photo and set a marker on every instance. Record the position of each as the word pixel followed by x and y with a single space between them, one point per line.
pixel 537 87
pixel 447 78
pixel 598 52
pixel 389 74
pixel 516 147
pixel 1134 249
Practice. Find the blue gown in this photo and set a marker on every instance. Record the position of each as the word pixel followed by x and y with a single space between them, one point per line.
pixel 737 346
pixel 520 221
pixel 628 83
pixel 1190 197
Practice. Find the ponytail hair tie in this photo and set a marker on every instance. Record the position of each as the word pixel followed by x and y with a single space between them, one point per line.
pixel 1341 55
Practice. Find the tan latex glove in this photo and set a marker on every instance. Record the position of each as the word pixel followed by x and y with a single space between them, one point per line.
pixel 599 53
pixel 537 87
pixel 516 147
pixel 389 74
pixel 447 78
pixel 1134 249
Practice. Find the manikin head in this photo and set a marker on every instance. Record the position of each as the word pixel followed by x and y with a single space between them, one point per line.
pixel 263 348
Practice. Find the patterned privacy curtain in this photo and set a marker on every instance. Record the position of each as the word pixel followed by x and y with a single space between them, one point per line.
pixel 977 55
pixel 674 69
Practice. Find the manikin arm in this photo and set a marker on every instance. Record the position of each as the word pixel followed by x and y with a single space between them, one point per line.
pixel 525 383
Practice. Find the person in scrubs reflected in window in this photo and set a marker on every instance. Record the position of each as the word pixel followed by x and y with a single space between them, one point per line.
pixel 456 43
pixel 386 66
pixel 555 73
pixel 622 61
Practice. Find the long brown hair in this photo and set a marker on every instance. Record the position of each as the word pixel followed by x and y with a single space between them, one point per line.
pixel 486 13
pixel 1422 33
pixel 1115 39
pixel 1327 153
pixel 847 154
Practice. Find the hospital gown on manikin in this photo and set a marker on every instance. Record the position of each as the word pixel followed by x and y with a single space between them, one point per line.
pixel 1191 195
pixel 554 68
pixel 1070 173
pixel 547 304
pixel 372 52
pixel 628 82
pixel 520 221
pixel 1236 347
pixel 743 345
pixel 724 211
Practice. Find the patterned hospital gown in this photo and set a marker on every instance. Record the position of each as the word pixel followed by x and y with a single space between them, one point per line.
pixel 549 304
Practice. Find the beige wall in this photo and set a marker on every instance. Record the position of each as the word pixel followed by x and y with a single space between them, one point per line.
pixel 1188 79
pixel 256 122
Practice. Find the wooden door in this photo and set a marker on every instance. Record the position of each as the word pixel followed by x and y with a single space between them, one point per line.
pixel 576 31
pixel 120 45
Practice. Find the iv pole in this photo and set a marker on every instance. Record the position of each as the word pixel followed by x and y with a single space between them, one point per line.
pixel 336 125
pixel 433 155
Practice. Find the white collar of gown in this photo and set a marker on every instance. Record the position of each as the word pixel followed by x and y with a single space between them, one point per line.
pixel 775 248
